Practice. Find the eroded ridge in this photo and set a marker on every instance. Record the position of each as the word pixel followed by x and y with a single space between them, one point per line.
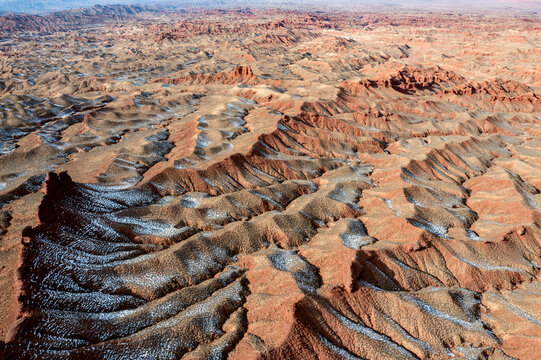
pixel 295 186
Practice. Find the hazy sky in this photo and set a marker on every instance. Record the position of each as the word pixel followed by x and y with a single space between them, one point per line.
pixel 37 6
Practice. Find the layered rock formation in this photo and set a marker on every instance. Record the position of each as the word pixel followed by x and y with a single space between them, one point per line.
pixel 272 185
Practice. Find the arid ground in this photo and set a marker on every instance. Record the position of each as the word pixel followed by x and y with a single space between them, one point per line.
pixel 270 184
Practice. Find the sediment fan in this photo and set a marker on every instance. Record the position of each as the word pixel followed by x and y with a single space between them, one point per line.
pixel 330 197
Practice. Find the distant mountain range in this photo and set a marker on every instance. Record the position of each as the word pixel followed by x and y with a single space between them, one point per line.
pixel 69 19
pixel 33 6
pixel 48 6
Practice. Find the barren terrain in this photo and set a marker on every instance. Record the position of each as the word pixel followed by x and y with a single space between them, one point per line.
pixel 270 184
